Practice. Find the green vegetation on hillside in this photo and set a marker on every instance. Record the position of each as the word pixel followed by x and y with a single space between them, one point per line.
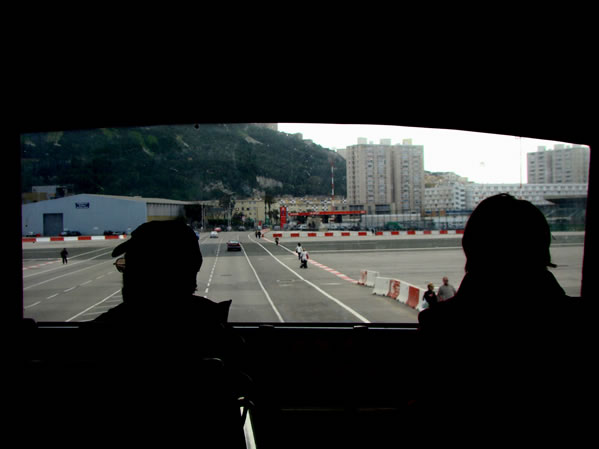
pixel 185 162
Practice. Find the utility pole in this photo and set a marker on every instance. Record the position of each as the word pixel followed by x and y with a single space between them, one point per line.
pixel 231 203
pixel 332 185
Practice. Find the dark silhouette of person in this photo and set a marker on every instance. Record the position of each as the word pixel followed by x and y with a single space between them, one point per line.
pixel 430 296
pixel 181 362
pixel 506 243
pixel 510 337
pixel 63 254
pixel 159 263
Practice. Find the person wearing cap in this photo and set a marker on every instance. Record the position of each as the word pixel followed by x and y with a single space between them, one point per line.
pixel 519 259
pixel 510 329
pixel 160 263
pixel 172 362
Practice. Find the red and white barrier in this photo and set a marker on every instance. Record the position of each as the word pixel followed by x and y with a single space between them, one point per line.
pixel 71 238
pixel 303 234
pixel 399 290
pixel 394 289
pixel 368 278
pixel 381 286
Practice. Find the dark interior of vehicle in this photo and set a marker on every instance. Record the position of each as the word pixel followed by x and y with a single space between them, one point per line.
pixel 313 385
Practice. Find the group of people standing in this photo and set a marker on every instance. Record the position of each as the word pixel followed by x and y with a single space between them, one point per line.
pixel 445 292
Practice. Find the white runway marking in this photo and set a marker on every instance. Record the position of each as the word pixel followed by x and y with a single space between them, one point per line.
pixel 272 304
pixel 317 288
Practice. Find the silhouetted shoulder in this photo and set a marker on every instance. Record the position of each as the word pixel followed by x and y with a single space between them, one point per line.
pixel 208 310
pixel 443 315
pixel 192 309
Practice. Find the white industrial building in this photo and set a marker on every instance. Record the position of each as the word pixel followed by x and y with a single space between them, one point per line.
pixel 94 214
pixel 535 193
pixel 446 196
pixel 458 196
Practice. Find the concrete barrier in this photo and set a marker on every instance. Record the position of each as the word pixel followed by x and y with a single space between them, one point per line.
pixel 381 286
pixel 362 280
pixel 371 278
pixel 368 278
pixel 404 289
pixel 394 287
pixel 397 289
pixel 413 296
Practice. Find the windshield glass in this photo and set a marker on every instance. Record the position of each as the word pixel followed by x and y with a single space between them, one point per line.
pixel 295 222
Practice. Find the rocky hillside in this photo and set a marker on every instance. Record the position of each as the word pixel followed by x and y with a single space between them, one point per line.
pixel 185 162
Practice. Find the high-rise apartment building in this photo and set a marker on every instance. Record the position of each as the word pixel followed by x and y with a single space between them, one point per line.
pixel 561 165
pixel 385 178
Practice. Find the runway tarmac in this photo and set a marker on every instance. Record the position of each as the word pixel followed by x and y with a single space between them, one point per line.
pixel 264 280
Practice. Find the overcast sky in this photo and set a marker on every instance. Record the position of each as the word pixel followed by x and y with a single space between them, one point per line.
pixel 482 158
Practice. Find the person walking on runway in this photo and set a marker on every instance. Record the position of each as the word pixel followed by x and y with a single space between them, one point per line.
pixel 63 254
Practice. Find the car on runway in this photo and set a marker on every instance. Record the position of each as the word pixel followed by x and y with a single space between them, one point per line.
pixel 113 233
pixel 233 245
pixel 214 235
pixel 69 233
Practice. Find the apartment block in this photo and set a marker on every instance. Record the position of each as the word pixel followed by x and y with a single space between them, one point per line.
pixel 562 165
pixel 385 178
pixel 253 208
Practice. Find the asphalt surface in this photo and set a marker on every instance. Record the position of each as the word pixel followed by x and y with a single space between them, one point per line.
pixel 264 280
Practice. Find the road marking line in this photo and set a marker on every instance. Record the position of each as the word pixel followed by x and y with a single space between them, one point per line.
pixel 31 305
pixel 64 266
pixel 63 275
pixel 40 265
pixel 332 298
pixel 213 267
pixel 92 313
pixel 318 264
pixel 91 307
pixel 272 304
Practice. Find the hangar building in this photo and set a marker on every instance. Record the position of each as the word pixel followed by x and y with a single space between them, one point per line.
pixel 94 214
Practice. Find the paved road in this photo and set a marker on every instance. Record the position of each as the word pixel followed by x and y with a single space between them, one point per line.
pixel 264 280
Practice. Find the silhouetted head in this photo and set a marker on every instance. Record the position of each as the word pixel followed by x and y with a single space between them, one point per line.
pixel 506 234
pixel 162 258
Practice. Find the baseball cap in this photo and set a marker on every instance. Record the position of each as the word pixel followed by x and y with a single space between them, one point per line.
pixel 169 239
